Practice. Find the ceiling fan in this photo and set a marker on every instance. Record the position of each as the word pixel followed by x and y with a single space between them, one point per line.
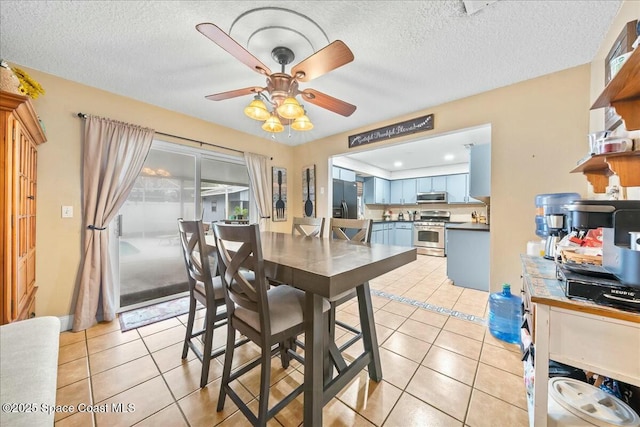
pixel 280 86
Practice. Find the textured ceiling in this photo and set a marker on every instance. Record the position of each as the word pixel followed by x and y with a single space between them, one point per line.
pixel 409 55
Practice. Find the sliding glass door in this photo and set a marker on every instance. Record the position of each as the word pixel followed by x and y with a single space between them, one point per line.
pixel 176 182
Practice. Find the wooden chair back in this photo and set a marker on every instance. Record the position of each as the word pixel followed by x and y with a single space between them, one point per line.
pixel 239 250
pixel 196 255
pixel 308 226
pixel 362 227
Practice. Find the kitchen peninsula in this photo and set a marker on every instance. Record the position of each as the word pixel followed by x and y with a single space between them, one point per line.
pixel 468 255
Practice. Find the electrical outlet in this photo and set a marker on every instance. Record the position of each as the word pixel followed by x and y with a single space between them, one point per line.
pixel 67 212
pixel 321 190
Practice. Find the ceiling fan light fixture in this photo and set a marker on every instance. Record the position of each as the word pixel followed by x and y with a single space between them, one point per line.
pixel 272 124
pixel 257 110
pixel 290 109
pixel 302 123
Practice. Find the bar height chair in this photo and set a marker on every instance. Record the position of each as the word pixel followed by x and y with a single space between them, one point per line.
pixel 204 288
pixel 271 317
pixel 356 230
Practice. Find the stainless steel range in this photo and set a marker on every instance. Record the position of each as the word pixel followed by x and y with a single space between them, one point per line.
pixel 428 232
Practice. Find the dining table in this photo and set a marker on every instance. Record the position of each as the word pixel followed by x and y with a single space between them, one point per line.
pixel 326 268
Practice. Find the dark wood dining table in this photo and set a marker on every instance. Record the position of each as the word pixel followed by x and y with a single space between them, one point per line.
pixel 326 268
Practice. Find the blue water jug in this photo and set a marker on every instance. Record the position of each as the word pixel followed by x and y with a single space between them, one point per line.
pixel 505 315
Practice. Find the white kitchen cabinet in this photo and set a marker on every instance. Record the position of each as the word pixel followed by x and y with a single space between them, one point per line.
pixel 403 191
pixel 480 171
pixel 344 174
pixel 376 190
pixel 457 188
pixel 403 234
pixel 432 183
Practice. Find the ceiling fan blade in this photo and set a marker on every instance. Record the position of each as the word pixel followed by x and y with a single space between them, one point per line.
pixel 234 93
pixel 326 59
pixel 328 102
pixel 222 39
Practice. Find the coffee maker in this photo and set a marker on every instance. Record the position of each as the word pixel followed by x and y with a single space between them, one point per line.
pixel 557 228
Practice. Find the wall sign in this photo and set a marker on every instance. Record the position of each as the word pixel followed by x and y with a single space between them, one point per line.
pixel 408 127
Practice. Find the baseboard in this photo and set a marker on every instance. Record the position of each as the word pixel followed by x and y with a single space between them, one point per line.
pixel 66 322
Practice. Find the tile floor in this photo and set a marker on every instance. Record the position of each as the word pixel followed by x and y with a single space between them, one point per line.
pixel 439 370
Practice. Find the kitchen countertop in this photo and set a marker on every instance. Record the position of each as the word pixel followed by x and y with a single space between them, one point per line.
pixel 377 221
pixel 468 226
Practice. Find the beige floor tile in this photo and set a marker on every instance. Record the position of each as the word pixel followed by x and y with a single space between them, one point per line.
pixel 185 379
pixel 146 399
pixel 475 310
pixel 501 358
pixel 170 357
pixel 159 326
pixel 501 384
pixel 123 377
pixel 373 400
pixel 336 413
pixel 388 319
pixel 348 318
pixel 491 340
pixel 72 395
pixel 103 328
pixel 396 370
pixel 413 412
pixel 429 317
pixel 465 328
pixel 69 337
pixel 169 416
pixel 487 411
pixel 200 406
pixel 251 380
pixel 457 343
pixel 418 293
pixel 110 339
pixel 78 419
pixel 165 338
pixel 407 346
pixel 419 330
pixel 441 302
pixel 72 352
pixel 71 372
pixel 117 355
pixel 451 364
pixel 441 392
pixel 238 419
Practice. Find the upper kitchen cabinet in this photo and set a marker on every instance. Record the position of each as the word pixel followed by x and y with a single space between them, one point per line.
pixel 403 191
pixel 432 183
pixel 480 172
pixel 344 174
pixel 376 191
pixel 457 188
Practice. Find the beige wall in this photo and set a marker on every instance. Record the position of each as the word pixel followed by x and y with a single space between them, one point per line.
pixel 59 178
pixel 538 131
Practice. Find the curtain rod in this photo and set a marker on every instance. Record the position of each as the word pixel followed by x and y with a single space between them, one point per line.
pixel 84 116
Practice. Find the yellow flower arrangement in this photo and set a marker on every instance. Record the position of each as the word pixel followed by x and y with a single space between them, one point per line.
pixel 28 86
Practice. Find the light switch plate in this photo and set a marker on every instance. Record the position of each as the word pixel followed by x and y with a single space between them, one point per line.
pixel 67 212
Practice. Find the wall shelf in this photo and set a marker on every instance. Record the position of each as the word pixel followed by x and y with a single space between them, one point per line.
pixel 600 167
pixel 623 93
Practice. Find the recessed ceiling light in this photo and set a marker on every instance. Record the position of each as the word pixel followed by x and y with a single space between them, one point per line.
pixel 449 157
pixel 397 164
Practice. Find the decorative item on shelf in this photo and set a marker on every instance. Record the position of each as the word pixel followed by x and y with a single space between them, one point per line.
pixel 28 86
pixel 9 82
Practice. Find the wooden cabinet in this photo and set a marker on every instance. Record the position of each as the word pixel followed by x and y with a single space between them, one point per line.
pixel 21 135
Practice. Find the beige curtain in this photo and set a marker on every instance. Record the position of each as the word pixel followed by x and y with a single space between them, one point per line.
pixel 113 156
pixel 261 187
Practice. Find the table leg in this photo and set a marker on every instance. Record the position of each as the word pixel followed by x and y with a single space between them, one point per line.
pixel 369 337
pixel 313 360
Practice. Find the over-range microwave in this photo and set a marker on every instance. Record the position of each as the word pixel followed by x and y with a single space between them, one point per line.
pixel 432 197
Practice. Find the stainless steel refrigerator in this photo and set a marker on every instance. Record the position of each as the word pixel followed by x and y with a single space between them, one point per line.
pixel 345 199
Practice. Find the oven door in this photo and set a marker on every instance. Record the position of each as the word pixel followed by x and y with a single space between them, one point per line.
pixel 429 239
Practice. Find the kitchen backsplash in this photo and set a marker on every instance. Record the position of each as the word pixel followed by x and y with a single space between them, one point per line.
pixel 458 213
